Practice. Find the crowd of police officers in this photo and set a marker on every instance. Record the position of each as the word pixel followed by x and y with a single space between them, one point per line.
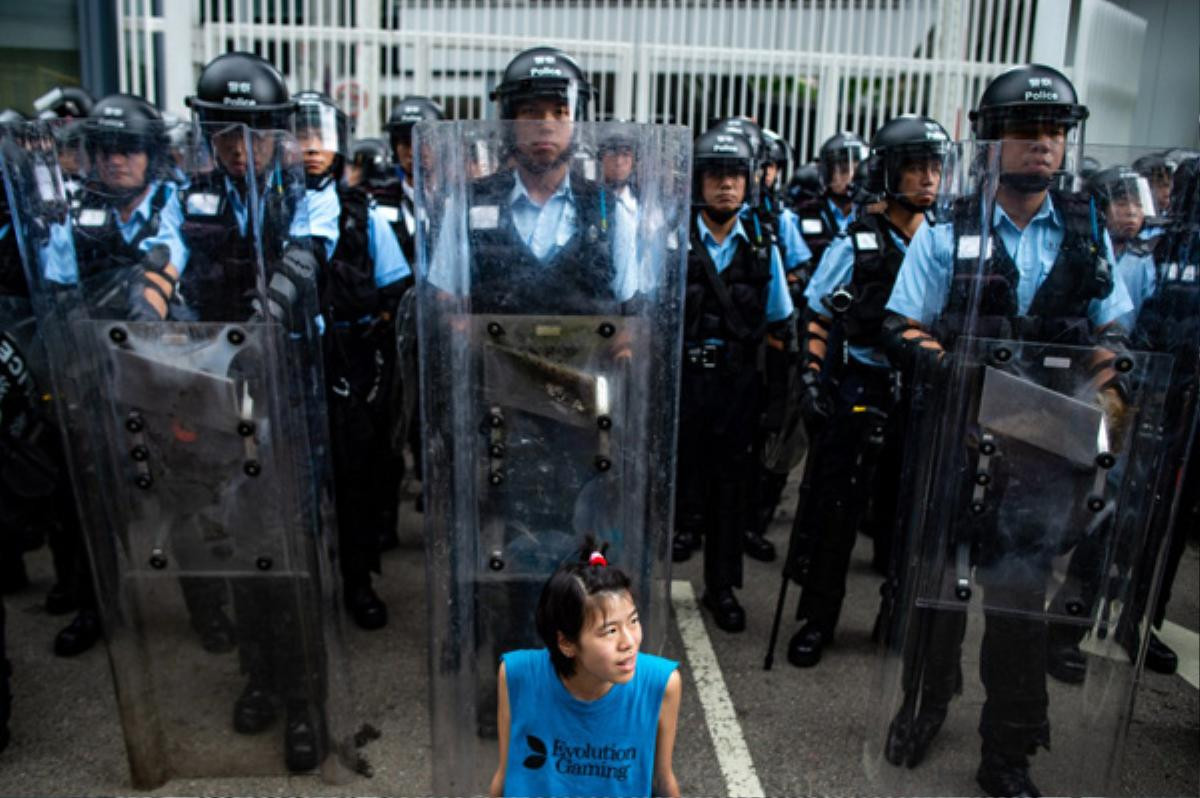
pixel 806 314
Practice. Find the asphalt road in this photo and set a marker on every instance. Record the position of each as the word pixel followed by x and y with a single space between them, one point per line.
pixel 803 731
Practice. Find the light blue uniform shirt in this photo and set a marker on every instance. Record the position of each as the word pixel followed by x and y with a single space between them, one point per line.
pixel 170 235
pixel 324 209
pixel 797 251
pixel 842 219
pixel 1137 272
pixel 779 301
pixel 141 214
pixel 836 269
pixel 923 284
pixel 545 229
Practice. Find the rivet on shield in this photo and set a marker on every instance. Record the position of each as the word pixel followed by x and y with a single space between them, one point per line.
pixel 604 422
pixel 1002 354
pixel 496 562
pixel 1074 607
pixel 978 507
pixel 1123 364
pixel 495 420
pixel 118 335
pixel 236 337
pixel 962 593
pixel 139 453
pixel 158 560
pixel 603 463
pixel 134 422
pixel 496 450
pixel 606 330
pixel 496 477
pixel 1095 504
pixel 263 563
pixel 143 481
pixel 245 428
pixel 1105 460
pixel 495 330
pixel 983 478
pixel 987 448
pixel 252 468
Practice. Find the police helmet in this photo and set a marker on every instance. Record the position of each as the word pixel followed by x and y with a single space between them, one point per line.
pixel 11 116
pixel 370 156
pixel 723 152
pixel 805 185
pixel 407 113
pixel 318 118
pixel 64 102
pixel 778 150
pixel 121 124
pixel 1155 166
pixel 866 187
pixel 542 72
pixel 1025 94
pixel 900 142
pixel 242 88
pixel 842 149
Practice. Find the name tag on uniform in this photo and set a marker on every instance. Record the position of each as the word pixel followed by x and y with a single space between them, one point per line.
pixel 969 246
pixel 866 241
pixel 1172 271
pixel 484 217
pixel 92 217
pixel 1189 274
pixel 203 204
pixel 389 213
pixel 811 227
pixel 410 224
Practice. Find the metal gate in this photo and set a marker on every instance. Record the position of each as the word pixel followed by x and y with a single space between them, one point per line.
pixel 805 68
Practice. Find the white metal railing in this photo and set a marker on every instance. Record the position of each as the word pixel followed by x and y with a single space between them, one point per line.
pixel 805 68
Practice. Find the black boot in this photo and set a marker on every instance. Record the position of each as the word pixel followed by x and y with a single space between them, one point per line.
pixel 757 547
pixel 1066 662
pixel 368 609
pixel 804 649
pixel 1006 777
pixel 684 543
pixel 80 635
pixel 303 745
pixel 1159 657
pixel 254 709
pixel 909 736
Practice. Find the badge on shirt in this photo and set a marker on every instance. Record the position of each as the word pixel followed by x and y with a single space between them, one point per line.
pixel 968 247
pixel 390 213
pixel 1189 274
pixel 1172 271
pixel 866 242
pixel 484 217
pixel 92 217
pixel 203 204
pixel 811 227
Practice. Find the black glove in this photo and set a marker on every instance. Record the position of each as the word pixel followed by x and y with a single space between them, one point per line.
pixel 292 280
pixel 816 405
pixel 140 308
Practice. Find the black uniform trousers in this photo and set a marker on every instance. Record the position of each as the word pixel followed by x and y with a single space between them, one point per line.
pixel 718 419
pixel 859 456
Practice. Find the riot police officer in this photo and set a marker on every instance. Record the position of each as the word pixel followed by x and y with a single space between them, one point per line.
pixel 207 250
pixel 1047 278
pixel 824 216
pixel 736 292
pixel 362 275
pixel 397 198
pixel 860 426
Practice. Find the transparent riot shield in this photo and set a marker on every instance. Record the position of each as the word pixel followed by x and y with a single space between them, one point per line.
pixel 184 353
pixel 549 355
pixel 1041 429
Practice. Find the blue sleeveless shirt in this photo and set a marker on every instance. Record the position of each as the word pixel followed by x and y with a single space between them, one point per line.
pixel 561 746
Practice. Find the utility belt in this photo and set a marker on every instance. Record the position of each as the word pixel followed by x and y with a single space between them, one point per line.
pixel 716 354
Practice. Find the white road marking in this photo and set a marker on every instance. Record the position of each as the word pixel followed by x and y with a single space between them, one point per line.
pixel 1186 645
pixel 733 757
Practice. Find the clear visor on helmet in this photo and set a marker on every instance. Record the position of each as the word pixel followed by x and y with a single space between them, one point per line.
pixel 1128 201
pixel 318 128
pixel 553 100
pixel 913 172
pixel 839 164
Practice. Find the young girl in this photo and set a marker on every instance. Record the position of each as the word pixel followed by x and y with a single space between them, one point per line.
pixel 588 715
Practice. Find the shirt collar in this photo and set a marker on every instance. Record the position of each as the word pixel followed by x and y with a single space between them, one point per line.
pixel 141 213
pixel 708 238
pixel 521 194
pixel 1045 213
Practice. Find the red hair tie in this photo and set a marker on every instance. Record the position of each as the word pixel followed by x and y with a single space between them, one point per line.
pixel 597 559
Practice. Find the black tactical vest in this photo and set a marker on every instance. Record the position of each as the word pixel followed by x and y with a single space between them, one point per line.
pixel 818 227
pixel 747 278
pixel 877 260
pixel 1059 310
pixel 219 282
pixel 507 278
pixel 12 272
pixel 99 245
